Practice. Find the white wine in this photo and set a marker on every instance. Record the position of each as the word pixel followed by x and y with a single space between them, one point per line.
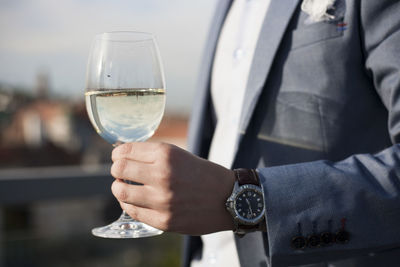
pixel 125 115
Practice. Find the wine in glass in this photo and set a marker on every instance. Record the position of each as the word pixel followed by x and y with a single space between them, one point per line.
pixel 125 100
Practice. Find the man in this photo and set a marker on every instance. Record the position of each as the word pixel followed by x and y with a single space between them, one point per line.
pixel 319 120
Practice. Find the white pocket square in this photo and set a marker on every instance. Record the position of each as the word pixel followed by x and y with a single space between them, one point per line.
pixel 317 10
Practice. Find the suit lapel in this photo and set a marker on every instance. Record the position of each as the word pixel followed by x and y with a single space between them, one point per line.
pixel 275 23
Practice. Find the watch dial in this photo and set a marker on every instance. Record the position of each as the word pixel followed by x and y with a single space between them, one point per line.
pixel 249 204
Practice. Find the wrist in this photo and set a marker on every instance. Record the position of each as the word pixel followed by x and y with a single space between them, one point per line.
pixel 226 219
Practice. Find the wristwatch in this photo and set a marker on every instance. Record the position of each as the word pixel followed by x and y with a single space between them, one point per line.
pixel 246 203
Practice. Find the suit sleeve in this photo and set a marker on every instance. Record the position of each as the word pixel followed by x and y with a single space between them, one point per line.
pixel 359 195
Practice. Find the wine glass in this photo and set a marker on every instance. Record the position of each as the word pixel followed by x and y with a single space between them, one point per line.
pixel 125 100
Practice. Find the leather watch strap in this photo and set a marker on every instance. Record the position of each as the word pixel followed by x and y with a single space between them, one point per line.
pixel 247 176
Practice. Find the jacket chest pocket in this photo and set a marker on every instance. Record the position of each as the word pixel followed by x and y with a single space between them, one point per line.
pixel 316 33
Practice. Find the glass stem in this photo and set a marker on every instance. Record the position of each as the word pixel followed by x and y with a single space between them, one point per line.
pixel 125 216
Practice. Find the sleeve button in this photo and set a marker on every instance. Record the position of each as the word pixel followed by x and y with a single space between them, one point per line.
pixel 342 237
pixel 327 238
pixel 314 241
pixel 298 242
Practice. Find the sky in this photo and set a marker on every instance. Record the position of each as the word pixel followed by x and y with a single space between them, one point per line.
pixel 54 37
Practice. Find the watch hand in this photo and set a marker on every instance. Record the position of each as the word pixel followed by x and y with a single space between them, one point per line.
pixel 248 203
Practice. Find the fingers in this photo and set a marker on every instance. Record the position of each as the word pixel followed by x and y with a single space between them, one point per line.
pixel 148 216
pixel 139 151
pixel 133 171
pixel 141 195
pixel 137 195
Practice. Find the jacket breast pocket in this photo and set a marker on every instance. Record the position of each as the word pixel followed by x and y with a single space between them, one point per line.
pixel 294 119
pixel 315 33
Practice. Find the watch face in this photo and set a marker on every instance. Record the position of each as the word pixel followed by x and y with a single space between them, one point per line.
pixel 249 205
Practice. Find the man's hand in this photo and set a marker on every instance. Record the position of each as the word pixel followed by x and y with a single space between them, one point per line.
pixel 180 193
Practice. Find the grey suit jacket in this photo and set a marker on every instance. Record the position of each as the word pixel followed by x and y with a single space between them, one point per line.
pixel 321 123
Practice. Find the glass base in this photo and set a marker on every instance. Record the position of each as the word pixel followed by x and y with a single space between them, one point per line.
pixel 126 227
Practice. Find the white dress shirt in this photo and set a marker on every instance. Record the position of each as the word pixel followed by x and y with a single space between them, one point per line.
pixel 230 72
